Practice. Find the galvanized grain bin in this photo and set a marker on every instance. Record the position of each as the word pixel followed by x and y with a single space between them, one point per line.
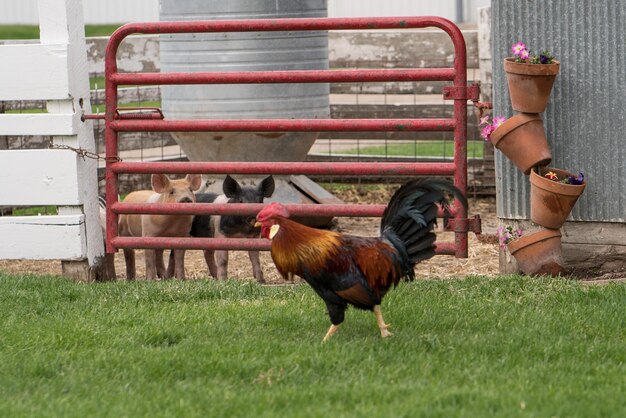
pixel 245 51
pixel 248 51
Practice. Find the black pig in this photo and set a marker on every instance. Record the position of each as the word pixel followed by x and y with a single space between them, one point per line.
pixel 230 226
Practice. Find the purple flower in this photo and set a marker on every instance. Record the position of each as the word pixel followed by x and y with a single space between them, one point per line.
pixel 578 180
pixel 522 55
pixel 507 234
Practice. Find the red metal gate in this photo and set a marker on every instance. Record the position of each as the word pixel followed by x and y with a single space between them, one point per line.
pixel 153 121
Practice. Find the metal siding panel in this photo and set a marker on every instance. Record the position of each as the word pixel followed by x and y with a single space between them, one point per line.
pixel 585 120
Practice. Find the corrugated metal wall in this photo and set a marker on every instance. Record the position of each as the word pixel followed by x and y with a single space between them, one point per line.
pixel 120 11
pixel 586 119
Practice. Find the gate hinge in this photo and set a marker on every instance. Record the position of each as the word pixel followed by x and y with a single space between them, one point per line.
pixel 472 224
pixel 471 92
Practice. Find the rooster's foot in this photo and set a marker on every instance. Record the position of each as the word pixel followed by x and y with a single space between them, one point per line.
pixel 384 328
pixel 333 328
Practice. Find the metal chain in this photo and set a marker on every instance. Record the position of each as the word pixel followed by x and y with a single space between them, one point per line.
pixel 85 154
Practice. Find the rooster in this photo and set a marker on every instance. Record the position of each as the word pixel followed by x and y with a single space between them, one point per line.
pixel 352 270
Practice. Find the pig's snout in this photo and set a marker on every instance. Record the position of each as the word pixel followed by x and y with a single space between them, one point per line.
pixel 186 200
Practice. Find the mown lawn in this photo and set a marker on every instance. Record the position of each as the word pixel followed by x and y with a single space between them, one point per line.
pixel 32 31
pixel 420 148
pixel 476 347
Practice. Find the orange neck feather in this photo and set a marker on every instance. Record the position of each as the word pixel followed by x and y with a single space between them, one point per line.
pixel 295 244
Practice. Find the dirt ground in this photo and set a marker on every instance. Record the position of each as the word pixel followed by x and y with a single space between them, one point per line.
pixel 483 254
pixel 482 260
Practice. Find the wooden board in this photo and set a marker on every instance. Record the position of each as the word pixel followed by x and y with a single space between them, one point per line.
pixel 39 177
pixel 43 237
pixel 34 71
pixel 314 191
pixel 38 124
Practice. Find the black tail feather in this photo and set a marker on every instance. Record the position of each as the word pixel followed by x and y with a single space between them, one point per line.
pixel 421 245
pixel 410 227
pixel 411 216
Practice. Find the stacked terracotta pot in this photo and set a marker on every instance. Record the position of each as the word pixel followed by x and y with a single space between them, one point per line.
pixel 522 140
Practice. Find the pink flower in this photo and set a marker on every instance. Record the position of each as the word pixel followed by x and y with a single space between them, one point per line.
pixel 486 132
pixel 524 54
pixel 518 48
pixel 487 127
pixel 498 120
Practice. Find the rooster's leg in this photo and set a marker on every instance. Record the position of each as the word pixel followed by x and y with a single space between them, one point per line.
pixel 384 331
pixel 333 328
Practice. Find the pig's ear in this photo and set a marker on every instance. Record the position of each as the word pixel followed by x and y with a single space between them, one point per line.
pixel 267 186
pixel 160 183
pixel 195 181
pixel 230 187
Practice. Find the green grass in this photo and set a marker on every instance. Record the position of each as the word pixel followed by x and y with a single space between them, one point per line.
pixel 95 108
pixel 32 31
pixel 38 110
pixel 35 210
pixel 507 347
pixel 420 148
pixel 98 81
pixel 341 187
pixel 100 108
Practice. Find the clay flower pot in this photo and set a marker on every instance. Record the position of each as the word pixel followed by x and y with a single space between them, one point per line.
pixel 539 252
pixel 522 139
pixel 530 85
pixel 550 201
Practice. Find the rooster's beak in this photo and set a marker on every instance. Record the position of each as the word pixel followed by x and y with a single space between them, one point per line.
pixel 258 224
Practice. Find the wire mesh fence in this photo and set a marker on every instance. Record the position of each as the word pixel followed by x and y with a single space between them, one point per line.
pixel 347 100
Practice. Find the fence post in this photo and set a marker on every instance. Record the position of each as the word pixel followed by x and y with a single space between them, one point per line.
pixel 61 22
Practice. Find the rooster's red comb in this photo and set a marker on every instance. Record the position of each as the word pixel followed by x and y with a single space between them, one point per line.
pixel 273 209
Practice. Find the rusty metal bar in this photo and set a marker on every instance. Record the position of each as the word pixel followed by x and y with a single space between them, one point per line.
pixel 115 123
pixel 301 76
pixel 250 209
pixel 347 169
pixel 273 25
pixel 85 117
pixel 246 244
pixel 281 125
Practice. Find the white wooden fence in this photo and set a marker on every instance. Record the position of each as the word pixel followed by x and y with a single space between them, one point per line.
pixel 55 70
